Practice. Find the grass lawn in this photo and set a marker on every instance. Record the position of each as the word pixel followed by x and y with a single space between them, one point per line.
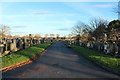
pixel 23 55
pixel 106 60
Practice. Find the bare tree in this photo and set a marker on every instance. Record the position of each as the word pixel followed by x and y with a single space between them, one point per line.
pixel 80 29
pixel 69 35
pixel 4 30
pixel 37 35
pixel 96 22
pixel 97 27
pixel 46 35
pixel 52 35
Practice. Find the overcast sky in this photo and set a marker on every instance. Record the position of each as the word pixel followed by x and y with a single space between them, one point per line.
pixel 52 17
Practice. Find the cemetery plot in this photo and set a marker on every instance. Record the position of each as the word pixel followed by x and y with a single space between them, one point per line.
pixel 23 55
pixel 8 46
pixel 106 60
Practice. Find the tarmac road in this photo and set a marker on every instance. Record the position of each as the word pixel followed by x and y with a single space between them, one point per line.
pixel 58 61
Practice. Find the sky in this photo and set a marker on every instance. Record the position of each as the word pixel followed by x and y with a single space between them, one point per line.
pixel 52 17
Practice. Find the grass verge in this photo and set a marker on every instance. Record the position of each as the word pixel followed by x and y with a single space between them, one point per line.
pixel 23 55
pixel 106 60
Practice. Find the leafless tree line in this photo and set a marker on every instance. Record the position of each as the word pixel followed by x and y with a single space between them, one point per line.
pixel 97 29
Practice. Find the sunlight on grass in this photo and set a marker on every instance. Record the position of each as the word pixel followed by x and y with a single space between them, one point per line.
pixel 106 60
pixel 23 55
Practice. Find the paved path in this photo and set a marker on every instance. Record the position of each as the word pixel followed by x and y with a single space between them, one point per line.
pixel 59 62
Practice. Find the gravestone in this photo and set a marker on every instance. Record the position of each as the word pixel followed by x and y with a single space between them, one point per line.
pixel 24 44
pixel 105 48
pixel 1 49
pixel 31 42
pixel 88 44
pixel 91 45
pixel 13 46
pixel 115 49
pixel 6 47
pixel 19 44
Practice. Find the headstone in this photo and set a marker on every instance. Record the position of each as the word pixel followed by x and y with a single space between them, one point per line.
pixel 24 43
pixel 31 43
pixel 13 46
pixel 115 49
pixel 91 45
pixel 1 48
pixel 88 44
pixel 105 48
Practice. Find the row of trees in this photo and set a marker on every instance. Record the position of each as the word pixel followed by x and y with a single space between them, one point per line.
pixel 98 29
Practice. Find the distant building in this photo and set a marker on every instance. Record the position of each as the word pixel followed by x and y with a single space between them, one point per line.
pixel 119 10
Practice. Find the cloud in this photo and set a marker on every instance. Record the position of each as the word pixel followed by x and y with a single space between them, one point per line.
pixel 14 16
pixel 64 29
pixel 19 26
pixel 103 5
pixel 42 12
pixel 86 8
pixel 17 32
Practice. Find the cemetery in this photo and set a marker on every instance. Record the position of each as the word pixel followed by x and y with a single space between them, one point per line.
pixel 108 48
pixel 100 46
pixel 8 46
pixel 104 53
pixel 25 53
pixel 41 40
